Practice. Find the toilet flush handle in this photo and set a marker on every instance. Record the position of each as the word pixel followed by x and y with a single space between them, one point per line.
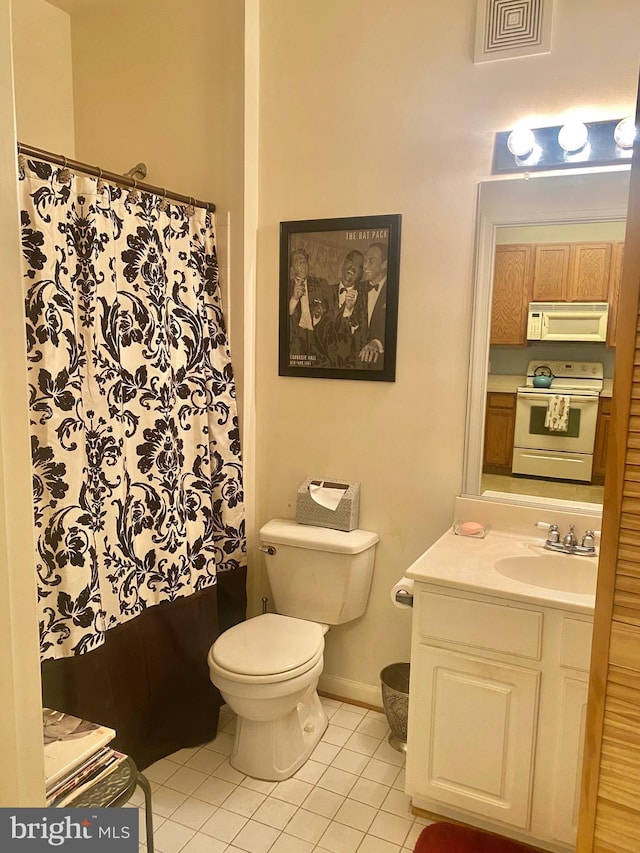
pixel 268 549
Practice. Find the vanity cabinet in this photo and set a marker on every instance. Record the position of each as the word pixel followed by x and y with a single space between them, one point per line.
pixel 500 424
pixel 496 713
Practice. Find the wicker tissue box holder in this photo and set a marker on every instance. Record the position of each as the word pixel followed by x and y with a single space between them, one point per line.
pixel 343 517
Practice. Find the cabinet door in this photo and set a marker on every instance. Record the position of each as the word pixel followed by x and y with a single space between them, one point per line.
pixel 568 771
pixel 473 746
pixel 602 440
pixel 551 272
pixel 590 270
pixel 500 425
pixel 511 295
pixel 617 259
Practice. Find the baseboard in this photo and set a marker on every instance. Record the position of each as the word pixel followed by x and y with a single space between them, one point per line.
pixel 351 691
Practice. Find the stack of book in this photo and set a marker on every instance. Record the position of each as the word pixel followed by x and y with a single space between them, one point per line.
pixel 76 755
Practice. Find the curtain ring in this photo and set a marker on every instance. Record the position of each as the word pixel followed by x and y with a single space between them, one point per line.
pixel 133 195
pixel 22 165
pixel 162 204
pixel 191 207
pixel 100 183
pixel 64 174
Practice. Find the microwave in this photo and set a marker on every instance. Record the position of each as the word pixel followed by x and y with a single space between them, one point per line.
pixel 567 321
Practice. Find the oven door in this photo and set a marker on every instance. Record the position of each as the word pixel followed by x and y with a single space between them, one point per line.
pixel 541 452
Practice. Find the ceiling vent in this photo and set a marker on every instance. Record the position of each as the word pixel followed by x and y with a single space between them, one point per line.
pixel 507 29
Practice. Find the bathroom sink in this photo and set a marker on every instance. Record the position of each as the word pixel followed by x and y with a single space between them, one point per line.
pixel 565 572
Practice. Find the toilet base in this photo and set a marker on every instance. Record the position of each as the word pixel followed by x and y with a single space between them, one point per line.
pixel 274 749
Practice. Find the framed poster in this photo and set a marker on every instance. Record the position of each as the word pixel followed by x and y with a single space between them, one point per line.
pixel 339 297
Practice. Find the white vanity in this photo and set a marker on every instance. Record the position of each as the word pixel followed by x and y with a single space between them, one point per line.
pixel 499 670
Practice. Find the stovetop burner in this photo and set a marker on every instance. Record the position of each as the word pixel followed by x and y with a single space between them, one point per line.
pixel 580 377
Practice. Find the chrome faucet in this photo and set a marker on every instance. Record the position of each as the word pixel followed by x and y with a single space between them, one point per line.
pixel 569 543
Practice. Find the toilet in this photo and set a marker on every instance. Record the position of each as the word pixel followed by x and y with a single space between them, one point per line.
pixel 267 668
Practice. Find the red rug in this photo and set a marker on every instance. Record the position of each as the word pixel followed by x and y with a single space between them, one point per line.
pixel 450 838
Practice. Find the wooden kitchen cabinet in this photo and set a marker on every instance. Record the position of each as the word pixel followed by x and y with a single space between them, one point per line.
pixel 511 294
pixel 551 272
pixel 572 272
pixel 601 441
pixel 500 423
pixel 589 272
pixel 617 258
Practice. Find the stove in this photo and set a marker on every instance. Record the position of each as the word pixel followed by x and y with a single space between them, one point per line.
pixel 565 454
pixel 577 377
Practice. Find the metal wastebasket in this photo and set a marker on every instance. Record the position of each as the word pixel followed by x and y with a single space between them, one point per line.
pixel 395 701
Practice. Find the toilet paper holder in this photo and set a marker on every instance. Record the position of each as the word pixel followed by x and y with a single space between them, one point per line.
pixel 403 596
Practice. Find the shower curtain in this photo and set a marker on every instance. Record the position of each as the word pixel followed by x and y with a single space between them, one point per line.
pixel 137 473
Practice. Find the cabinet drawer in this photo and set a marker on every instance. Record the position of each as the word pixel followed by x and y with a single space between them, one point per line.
pixel 575 649
pixel 493 627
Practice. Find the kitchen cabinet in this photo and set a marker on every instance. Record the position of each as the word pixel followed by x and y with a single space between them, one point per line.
pixel 497 712
pixel 615 279
pixel 589 273
pixel 601 441
pixel 511 294
pixel 572 272
pixel 500 423
pixel 551 272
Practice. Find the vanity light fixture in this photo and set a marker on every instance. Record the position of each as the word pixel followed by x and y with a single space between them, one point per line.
pixel 574 144
pixel 573 136
pixel 521 141
pixel 625 133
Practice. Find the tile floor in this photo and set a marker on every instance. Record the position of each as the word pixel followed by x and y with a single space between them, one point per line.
pixel 566 491
pixel 347 798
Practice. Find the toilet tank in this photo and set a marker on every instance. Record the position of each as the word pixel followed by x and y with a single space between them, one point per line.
pixel 317 573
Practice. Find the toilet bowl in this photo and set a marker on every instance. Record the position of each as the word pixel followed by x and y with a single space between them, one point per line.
pixel 267 670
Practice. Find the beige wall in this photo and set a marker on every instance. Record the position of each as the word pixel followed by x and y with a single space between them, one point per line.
pixel 21 780
pixel 162 82
pixel 364 111
pixel 42 74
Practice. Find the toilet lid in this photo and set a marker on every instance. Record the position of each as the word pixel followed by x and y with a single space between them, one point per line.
pixel 268 644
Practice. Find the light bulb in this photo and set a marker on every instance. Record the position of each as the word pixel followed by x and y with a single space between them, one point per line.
pixel 573 136
pixel 521 142
pixel 625 133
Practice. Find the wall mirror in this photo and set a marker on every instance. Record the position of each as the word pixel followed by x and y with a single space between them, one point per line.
pixel 585 207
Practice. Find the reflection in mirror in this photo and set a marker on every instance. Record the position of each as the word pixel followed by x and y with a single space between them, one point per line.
pixel 556 240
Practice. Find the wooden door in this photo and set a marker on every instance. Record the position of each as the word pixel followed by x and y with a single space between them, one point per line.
pixel 610 802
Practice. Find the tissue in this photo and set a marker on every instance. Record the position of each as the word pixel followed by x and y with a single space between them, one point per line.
pixel 404 586
pixel 326 494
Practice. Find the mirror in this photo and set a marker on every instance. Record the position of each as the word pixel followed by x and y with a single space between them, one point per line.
pixel 585 207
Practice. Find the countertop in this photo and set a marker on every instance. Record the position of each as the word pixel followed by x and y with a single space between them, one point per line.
pixel 468 563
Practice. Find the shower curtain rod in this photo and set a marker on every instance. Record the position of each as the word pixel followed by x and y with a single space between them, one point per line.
pixel 110 177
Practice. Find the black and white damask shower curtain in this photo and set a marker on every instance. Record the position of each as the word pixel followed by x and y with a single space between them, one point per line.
pixel 137 473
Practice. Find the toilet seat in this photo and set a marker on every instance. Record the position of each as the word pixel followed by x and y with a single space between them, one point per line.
pixel 268 648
